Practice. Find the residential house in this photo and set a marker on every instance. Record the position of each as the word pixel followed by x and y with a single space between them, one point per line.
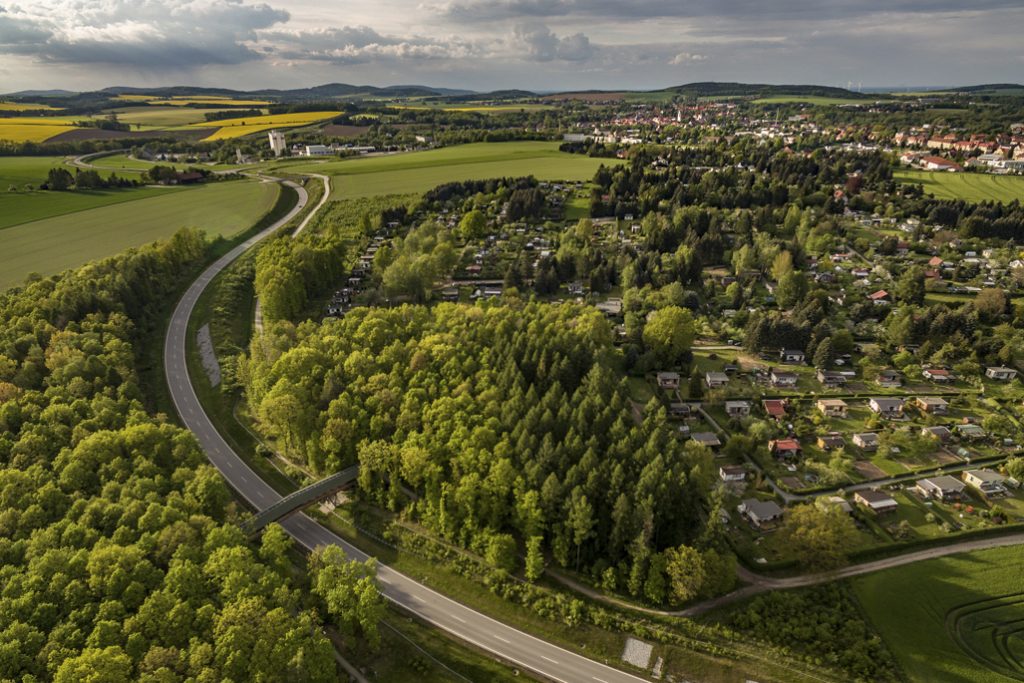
pixel 944 488
pixel 987 482
pixel 791 356
pixel 831 378
pixel 867 441
pixel 940 375
pixel 668 380
pixel 681 410
pixel 737 408
pixel 761 513
pixel 785 449
pixel 1003 374
pixel 933 405
pixel 733 473
pixel 774 408
pixel 831 442
pixel 880 298
pixel 709 439
pixel 783 379
pixel 716 379
pixel 886 407
pixel 878 502
pixel 970 431
pixel 832 407
pixel 889 379
pixel 936 262
pixel 938 433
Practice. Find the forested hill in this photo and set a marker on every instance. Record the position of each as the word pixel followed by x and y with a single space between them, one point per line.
pixel 714 89
pixel 118 558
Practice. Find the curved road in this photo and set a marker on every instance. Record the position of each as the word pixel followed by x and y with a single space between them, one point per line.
pixel 544 659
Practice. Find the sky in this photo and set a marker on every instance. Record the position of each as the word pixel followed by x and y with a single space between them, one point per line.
pixel 485 45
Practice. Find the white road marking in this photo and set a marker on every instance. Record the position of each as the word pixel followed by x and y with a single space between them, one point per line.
pixel 503 640
pixel 460 619
pixel 599 680
pixel 549 659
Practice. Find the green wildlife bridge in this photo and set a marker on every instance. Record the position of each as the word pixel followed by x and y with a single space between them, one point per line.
pixel 298 500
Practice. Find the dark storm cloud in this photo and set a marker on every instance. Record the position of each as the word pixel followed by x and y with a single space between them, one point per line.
pixel 146 34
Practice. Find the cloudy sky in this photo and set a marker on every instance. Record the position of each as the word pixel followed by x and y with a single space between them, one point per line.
pixel 491 44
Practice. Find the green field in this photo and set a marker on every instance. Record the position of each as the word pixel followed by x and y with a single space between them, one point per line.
pixel 21 206
pixel 956 619
pixel 420 171
pixel 162 117
pixel 55 244
pixel 973 187
pixel 810 99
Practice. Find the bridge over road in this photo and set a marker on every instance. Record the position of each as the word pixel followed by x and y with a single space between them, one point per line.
pixel 297 500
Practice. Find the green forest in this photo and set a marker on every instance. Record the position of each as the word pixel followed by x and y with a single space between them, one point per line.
pixel 503 428
pixel 120 556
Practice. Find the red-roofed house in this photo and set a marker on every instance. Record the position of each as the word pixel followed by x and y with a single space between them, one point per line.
pixel 785 448
pixel 940 164
pixel 879 298
pixel 775 408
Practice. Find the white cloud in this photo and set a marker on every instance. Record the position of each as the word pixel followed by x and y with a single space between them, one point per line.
pixel 687 57
pixel 543 45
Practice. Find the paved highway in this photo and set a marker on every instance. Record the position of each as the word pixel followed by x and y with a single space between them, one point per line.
pixel 521 649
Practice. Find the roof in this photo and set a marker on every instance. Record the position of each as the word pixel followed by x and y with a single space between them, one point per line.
pixel 784 373
pixel 880 294
pixel 706 438
pixel 932 401
pixel 730 470
pixel 785 445
pixel 942 483
pixel 762 509
pixel 832 402
pixel 737 404
pixel 887 402
pixel 938 430
pixel 986 476
pixel 668 375
pixel 866 437
pixel 774 407
pixel 876 498
pixel 938 372
pixel 719 376
pixel 1000 368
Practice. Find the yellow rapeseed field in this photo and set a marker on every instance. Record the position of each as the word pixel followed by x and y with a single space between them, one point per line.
pixel 26 106
pixel 236 128
pixel 33 128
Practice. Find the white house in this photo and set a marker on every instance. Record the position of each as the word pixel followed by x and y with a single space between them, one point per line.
pixel 1003 374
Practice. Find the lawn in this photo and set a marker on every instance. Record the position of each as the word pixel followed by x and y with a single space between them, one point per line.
pixel 972 187
pixel 953 619
pixel 420 171
pixel 55 244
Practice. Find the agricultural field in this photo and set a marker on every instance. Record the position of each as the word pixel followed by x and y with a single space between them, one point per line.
pixel 953 619
pixel 236 128
pixel 810 99
pixel 35 128
pixel 477 108
pixel 972 187
pixel 22 206
pixel 419 171
pixel 26 106
pixel 155 118
pixel 54 244
pixel 211 100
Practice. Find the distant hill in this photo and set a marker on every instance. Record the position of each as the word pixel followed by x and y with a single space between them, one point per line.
pixel 318 92
pixel 41 93
pixel 990 87
pixel 713 89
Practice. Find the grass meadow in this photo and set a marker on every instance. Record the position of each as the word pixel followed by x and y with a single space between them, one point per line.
pixel 54 244
pixel 420 171
pixel 24 206
pixel 972 187
pixel 954 619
